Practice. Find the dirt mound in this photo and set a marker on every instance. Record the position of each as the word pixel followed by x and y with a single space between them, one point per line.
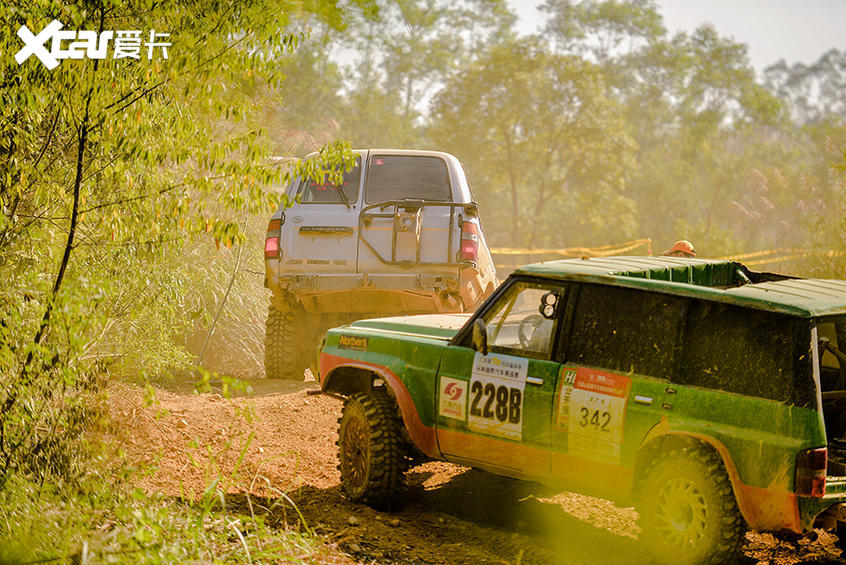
pixel 281 439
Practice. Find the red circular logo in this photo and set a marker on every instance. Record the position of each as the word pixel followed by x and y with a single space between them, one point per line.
pixel 453 391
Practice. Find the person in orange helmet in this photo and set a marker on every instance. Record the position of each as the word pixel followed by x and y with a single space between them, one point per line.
pixel 681 248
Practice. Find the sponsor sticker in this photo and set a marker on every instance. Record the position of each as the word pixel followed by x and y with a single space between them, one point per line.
pixel 353 342
pixel 452 401
pixel 567 378
pixel 594 415
pixel 497 384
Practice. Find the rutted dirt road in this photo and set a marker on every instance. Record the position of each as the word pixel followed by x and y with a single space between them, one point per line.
pixel 450 515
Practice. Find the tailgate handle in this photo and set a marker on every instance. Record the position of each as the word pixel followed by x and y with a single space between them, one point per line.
pixel 643 400
pixel 534 381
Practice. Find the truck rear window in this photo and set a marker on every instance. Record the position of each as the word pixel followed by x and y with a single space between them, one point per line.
pixel 326 192
pixel 397 177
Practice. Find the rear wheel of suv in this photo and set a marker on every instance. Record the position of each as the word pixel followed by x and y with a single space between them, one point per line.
pixel 371 449
pixel 285 352
pixel 688 512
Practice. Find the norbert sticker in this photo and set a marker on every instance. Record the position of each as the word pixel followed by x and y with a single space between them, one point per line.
pixel 352 342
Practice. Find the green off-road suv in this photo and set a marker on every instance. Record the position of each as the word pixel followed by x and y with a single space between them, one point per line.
pixel 709 396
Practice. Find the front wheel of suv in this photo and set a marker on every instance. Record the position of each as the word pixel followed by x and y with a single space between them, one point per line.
pixel 285 352
pixel 688 512
pixel 371 449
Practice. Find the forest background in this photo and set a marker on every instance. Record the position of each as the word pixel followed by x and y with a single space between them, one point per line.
pixel 134 195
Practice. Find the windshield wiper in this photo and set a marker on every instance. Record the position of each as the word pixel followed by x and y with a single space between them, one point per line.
pixel 344 197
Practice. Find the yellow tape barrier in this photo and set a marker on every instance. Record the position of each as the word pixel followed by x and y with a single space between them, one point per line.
pixel 751 259
pixel 602 251
pixel 781 255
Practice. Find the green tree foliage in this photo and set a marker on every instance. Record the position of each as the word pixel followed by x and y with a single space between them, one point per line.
pixel 692 104
pixel 539 133
pixel 402 58
pixel 110 166
pixel 602 29
pixel 815 92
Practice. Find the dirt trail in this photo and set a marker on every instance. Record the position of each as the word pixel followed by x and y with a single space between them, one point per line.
pixel 284 438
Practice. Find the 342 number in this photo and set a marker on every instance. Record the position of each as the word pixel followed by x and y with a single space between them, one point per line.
pixel 500 402
pixel 595 418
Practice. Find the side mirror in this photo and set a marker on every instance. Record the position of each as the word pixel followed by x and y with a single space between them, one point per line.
pixel 480 336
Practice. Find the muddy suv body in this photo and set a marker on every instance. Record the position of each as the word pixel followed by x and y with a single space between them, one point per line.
pixel 708 395
pixel 401 235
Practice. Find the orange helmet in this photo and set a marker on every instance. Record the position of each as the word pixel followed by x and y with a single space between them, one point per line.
pixel 681 248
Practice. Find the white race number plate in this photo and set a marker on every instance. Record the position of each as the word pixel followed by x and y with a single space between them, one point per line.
pixel 497 385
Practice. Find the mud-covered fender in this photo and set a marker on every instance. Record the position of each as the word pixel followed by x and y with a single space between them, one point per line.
pixel 346 376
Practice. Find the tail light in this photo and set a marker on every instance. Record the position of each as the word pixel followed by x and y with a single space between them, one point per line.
pixel 810 472
pixel 271 242
pixel 469 241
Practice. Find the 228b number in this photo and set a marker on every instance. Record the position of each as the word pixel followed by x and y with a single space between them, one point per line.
pixel 595 418
pixel 491 401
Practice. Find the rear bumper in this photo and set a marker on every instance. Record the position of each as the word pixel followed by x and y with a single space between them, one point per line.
pixel 371 295
pixel 832 503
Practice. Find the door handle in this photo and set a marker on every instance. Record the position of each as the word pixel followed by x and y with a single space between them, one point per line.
pixel 643 400
pixel 534 381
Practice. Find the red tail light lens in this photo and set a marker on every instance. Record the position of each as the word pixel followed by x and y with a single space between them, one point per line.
pixel 271 242
pixel 271 247
pixel 810 472
pixel 469 241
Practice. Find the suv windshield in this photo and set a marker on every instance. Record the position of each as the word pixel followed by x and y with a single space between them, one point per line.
pixel 397 177
pixel 326 192
pixel 519 323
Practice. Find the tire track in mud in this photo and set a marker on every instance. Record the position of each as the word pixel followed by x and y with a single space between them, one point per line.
pixel 450 514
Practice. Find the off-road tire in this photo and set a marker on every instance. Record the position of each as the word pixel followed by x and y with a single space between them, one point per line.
pixel 688 511
pixel 371 449
pixel 285 352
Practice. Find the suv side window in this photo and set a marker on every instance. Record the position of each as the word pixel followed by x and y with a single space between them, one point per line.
pixel 626 329
pixel 396 177
pixel 524 320
pixel 832 369
pixel 739 350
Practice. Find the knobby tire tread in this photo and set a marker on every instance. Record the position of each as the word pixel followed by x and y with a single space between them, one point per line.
pixel 387 450
pixel 283 352
pixel 732 527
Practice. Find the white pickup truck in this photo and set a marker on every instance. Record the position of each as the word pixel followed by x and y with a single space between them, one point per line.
pixel 400 235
